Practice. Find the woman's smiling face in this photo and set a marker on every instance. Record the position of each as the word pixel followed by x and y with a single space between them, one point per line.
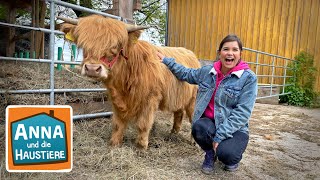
pixel 230 55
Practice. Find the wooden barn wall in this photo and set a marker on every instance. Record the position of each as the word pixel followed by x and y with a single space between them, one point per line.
pixel 282 27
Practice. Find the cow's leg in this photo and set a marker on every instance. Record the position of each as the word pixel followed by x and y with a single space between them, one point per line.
pixel 144 125
pixel 177 121
pixel 145 121
pixel 189 112
pixel 118 128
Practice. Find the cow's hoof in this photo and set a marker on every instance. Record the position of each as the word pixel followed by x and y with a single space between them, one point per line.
pixel 115 143
pixel 175 131
pixel 142 146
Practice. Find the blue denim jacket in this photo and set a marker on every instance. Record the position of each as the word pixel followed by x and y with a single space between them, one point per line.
pixel 234 99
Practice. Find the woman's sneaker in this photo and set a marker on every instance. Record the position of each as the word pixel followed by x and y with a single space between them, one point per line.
pixel 208 163
pixel 231 168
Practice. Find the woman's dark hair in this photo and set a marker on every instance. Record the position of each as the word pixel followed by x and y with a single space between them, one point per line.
pixel 230 38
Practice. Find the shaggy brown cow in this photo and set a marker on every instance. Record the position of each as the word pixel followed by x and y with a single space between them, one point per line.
pixel 137 82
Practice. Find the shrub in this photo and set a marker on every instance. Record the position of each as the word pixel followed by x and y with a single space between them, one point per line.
pixel 302 91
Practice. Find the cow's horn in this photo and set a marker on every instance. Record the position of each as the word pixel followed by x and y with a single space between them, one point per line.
pixel 131 28
pixel 68 20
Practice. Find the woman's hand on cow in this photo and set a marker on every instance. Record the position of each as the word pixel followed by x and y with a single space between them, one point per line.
pixel 160 55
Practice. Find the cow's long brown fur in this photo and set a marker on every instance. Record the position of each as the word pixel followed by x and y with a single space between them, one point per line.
pixel 140 85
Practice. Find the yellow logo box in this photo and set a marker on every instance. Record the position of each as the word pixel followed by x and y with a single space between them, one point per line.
pixel 39 138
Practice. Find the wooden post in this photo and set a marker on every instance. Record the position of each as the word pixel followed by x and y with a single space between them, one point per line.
pixel 41 24
pixel 32 34
pixel 11 18
pixel 37 34
pixel 126 9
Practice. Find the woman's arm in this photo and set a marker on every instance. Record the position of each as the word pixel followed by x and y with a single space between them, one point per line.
pixel 182 73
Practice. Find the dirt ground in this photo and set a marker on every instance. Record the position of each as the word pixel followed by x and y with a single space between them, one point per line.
pixel 284 144
pixel 284 140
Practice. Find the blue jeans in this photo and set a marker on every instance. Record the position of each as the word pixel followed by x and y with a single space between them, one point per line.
pixel 229 150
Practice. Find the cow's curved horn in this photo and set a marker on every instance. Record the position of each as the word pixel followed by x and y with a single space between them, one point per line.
pixel 131 28
pixel 68 20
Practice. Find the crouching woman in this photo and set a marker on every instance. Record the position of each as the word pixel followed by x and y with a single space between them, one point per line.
pixel 227 91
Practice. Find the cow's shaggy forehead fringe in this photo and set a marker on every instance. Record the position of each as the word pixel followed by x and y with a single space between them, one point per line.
pixel 99 35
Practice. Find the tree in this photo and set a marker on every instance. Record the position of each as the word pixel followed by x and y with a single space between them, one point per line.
pixel 153 14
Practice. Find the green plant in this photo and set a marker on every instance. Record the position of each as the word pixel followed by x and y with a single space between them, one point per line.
pixel 302 90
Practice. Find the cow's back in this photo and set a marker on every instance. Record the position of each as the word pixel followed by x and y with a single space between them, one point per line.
pixel 178 94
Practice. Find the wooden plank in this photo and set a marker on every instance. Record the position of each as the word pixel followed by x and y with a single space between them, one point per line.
pixel 262 36
pixel 214 29
pixel 281 40
pixel 305 25
pixel 209 30
pixel 297 28
pixel 203 29
pixel 187 24
pixel 276 29
pixel 313 25
pixel 232 17
pixel 317 54
pixel 182 23
pixel 256 30
pixel 193 25
pixel 269 33
pixel 226 17
pixel 170 22
pixel 244 22
pixel 249 28
pixel 290 29
pixel 220 22
pixel 237 22
pixel 198 28
pixel 177 23
pixel 254 21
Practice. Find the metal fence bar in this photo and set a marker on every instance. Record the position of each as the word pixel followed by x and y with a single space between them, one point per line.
pixel 38 60
pixel 273 55
pixel 276 76
pixel 274 95
pixel 275 85
pixel 52 38
pixel 95 115
pixel 285 76
pixel 269 65
pixel 31 28
pixel 81 8
pixel 271 83
pixel 257 60
pixel 49 90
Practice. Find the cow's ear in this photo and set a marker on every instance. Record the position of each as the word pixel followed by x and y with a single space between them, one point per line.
pixel 68 29
pixel 134 36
